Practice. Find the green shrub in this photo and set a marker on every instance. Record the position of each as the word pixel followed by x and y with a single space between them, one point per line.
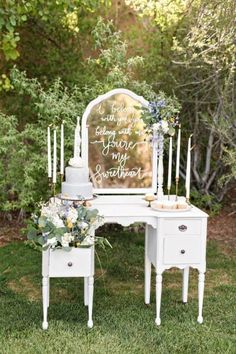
pixel 24 141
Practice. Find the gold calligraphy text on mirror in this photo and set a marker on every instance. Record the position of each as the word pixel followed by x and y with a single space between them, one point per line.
pixel 120 154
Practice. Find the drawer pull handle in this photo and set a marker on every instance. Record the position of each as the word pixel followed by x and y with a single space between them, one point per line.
pixel 69 264
pixel 182 228
pixel 182 251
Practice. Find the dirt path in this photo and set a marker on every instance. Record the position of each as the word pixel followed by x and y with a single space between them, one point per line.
pixel 223 228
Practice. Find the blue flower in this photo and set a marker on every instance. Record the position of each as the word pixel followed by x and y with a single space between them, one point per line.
pixel 155 108
pixel 161 103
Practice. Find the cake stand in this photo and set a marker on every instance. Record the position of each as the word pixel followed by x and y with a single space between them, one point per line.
pixel 82 200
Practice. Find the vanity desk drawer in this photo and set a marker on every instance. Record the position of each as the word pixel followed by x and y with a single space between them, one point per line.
pixel 77 262
pixel 182 226
pixel 182 249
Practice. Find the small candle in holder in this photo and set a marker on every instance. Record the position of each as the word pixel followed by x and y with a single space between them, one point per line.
pixel 169 205
pixel 182 205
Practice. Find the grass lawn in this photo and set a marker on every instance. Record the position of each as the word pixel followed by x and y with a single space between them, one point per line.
pixel 122 322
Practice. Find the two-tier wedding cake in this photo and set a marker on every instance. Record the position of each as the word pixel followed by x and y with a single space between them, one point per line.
pixel 77 184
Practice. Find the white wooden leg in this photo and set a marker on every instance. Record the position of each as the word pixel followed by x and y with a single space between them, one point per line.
pixel 185 285
pixel 158 298
pixel 147 271
pixel 86 291
pixel 45 302
pixel 201 279
pixel 90 299
pixel 48 291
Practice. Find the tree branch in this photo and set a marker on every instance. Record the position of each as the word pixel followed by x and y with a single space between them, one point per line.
pixel 196 149
pixel 208 156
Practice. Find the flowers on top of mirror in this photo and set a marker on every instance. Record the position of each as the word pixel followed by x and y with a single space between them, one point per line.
pixel 65 225
pixel 161 115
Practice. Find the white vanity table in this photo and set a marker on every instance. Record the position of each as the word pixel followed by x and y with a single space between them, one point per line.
pixel 122 163
pixel 172 239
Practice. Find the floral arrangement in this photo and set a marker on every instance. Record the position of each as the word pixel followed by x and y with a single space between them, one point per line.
pixel 161 115
pixel 65 225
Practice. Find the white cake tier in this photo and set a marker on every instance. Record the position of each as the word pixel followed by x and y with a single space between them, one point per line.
pixel 75 191
pixel 77 175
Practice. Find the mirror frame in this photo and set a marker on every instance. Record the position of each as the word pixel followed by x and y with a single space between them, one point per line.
pixel 85 145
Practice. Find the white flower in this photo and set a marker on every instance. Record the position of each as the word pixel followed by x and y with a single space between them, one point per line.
pixel 55 201
pixel 66 239
pixel 156 126
pixel 45 211
pixel 165 126
pixel 88 241
pixel 98 222
pixel 50 211
pixel 72 215
pixel 82 225
pixel 57 222
pixel 52 241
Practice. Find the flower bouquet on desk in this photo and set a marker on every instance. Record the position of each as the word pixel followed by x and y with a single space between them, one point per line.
pixel 65 225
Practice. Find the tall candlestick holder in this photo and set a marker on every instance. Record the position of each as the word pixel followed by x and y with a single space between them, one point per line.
pixel 54 190
pixel 187 201
pixel 168 192
pixel 176 188
pixel 50 182
pixel 50 185
pixel 62 177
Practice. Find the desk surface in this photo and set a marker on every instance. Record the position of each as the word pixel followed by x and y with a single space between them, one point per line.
pixel 135 206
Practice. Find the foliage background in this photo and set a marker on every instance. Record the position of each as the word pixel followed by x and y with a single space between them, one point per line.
pixel 58 56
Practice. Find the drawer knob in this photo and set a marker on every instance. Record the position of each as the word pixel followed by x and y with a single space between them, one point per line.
pixel 182 251
pixel 182 228
pixel 69 264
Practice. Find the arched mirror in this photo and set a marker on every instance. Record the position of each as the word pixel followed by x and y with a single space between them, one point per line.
pixel 115 145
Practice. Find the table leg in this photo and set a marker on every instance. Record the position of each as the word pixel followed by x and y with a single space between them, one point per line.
pixel 185 285
pixel 45 302
pixel 90 301
pixel 48 297
pixel 201 280
pixel 147 271
pixel 86 291
pixel 158 297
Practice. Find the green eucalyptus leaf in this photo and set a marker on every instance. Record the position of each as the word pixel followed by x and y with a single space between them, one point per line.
pixel 32 234
pixel 41 240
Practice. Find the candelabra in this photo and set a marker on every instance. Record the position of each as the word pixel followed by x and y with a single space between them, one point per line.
pixel 168 192
pixel 176 188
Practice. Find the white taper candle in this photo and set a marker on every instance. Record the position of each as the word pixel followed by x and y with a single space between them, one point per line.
pixel 49 154
pixel 54 177
pixel 170 165
pixel 188 170
pixel 62 150
pixel 77 139
pixel 178 153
